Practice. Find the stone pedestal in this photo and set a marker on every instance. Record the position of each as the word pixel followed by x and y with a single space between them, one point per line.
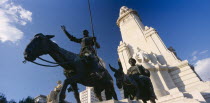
pixel 120 101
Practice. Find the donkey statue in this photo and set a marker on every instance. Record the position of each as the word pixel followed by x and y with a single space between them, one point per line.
pixel 132 88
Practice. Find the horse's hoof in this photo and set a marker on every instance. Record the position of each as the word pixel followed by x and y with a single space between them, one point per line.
pixel 61 101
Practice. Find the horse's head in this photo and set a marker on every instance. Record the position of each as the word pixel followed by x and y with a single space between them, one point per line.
pixel 39 45
pixel 118 74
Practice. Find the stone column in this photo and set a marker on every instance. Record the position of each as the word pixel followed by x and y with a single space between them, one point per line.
pixel 124 55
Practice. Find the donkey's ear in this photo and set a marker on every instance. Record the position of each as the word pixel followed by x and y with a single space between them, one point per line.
pixel 50 36
pixel 120 66
pixel 113 69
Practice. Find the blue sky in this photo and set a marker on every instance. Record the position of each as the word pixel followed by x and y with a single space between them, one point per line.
pixel 183 24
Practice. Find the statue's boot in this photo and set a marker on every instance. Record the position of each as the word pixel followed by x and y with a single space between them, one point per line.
pixel 138 96
pixel 152 94
pixel 151 90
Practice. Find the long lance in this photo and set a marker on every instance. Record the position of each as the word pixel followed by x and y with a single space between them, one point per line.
pixel 91 23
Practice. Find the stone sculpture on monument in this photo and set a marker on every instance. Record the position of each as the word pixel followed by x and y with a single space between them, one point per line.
pixel 53 96
pixel 141 56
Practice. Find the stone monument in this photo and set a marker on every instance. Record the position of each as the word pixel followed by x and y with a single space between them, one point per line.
pixel 53 96
pixel 174 81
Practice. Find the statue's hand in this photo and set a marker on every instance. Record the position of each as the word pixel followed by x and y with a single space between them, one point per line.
pixel 94 38
pixel 63 27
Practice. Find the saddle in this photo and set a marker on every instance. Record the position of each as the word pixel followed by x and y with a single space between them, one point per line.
pixel 95 77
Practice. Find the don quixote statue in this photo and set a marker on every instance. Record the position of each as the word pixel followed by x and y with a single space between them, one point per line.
pixel 84 68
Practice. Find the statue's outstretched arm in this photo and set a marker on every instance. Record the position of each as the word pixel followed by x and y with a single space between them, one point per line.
pixel 71 37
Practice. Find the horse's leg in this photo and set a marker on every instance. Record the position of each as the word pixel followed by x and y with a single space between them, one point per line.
pixel 131 97
pixel 107 93
pixel 126 92
pixel 63 91
pixel 76 93
pixel 152 101
pixel 98 93
pixel 144 101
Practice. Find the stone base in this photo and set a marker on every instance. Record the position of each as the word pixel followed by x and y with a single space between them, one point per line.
pixel 175 96
pixel 166 99
pixel 121 101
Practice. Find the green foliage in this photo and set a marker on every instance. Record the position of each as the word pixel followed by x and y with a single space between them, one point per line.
pixel 27 100
pixel 3 99
pixel 12 101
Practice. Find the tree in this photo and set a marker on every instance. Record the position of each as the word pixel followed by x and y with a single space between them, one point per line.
pixel 3 99
pixel 12 101
pixel 27 100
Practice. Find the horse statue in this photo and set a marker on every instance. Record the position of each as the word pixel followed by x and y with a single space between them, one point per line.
pixel 75 69
pixel 129 86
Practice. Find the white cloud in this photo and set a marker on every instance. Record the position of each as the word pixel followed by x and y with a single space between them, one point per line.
pixel 10 15
pixel 3 1
pixel 203 52
pixel 194 53
pixel 203 68
pixel 194 58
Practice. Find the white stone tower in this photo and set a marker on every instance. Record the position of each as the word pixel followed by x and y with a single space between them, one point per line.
pixel 173 80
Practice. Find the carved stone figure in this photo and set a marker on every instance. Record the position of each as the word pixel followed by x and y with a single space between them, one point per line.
pixel 171 49
pixel 136 84
pixel 53 96
pixel 141 56
pixel 123 10
pixel 74 68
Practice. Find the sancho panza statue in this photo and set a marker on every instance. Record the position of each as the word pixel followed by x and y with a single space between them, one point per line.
pixel 140 76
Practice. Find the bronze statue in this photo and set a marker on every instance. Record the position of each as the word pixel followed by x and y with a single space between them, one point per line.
pixel 124 82
pixel 87 50
pixel 136 84
pixel 141 76
pixel 75 69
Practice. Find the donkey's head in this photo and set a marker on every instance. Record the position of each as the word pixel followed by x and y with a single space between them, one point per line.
pixel 38 46
pixel 118 74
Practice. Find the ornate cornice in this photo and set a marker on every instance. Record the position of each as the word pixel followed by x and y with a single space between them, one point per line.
pixel 122 46
pixel 124 11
